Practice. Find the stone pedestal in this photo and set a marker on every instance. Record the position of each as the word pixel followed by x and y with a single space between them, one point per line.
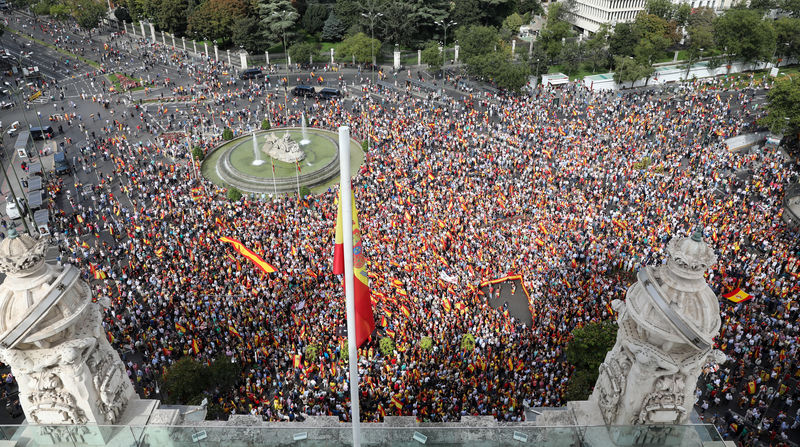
pixel 666 329
pixel 51 336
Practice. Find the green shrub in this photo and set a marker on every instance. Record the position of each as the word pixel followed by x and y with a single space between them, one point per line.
pixel 198 153
pixel 344 354
pixel 365 145
pixel 386 345
pixel 234 195
pixel 468 342
pixel 304 191
pixel 426 343
pixel 227 134
pixel 311 352
pixel 643 164
pixel 265 124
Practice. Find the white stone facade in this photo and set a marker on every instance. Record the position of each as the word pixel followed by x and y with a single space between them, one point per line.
pixel 589 15
pixel 52 338
pixel 666 329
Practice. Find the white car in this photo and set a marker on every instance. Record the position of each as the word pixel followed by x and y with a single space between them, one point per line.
pixel 12 129
pixel 14 210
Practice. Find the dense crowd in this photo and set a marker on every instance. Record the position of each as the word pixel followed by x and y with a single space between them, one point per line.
pixel 572 189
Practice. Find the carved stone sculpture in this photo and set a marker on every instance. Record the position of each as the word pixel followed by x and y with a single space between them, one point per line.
pixel 52 337
pixel 666 329
pixel 282 148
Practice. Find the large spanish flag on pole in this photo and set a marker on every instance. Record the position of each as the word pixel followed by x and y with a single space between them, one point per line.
pixel 249 254
pixel 365 321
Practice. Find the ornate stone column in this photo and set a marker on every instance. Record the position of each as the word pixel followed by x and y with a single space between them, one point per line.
pixel 666 329
pixel 52 337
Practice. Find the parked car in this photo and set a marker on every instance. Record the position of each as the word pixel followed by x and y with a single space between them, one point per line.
pixel 40 133
pixel 329 93
pixel 305 91
pixel 60 163
pixel 12 129
pixel 14 210
pixel 250 73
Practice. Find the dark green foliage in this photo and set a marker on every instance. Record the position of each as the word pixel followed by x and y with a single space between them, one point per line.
pixel 227 134
pixel 586 351
pixel 314 18
pixel 187 380
pixel 246 33
pixel 265 124
pixel 334 29
pixel 198 153
pixel 233 194
pixel 784 102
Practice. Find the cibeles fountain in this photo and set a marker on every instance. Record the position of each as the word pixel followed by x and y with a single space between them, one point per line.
pixel 282 148
pixel 51 335
pixel 667 324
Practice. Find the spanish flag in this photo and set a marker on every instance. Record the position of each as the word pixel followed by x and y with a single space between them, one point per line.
pixel 365 321
pixel 179 327
pixel 234 331
pixel 195 346
pixel 249 254
pixel 737 295
pixel 297 360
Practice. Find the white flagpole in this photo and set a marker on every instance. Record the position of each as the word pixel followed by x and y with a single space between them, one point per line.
pixel 347 230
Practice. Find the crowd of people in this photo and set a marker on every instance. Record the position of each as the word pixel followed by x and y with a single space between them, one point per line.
pixel 570 188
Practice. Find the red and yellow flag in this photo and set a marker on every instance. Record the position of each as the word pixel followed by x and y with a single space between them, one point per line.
pixel 365 321
pixel 249 254
pixel 195 346
pixel 737 295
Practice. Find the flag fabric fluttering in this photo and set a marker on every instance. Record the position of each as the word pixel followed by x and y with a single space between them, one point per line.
pixel 249 254
pixel 737 295
pixel 365 321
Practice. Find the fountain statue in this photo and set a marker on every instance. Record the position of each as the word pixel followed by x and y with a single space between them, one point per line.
pixel 257 161
pixel 283 148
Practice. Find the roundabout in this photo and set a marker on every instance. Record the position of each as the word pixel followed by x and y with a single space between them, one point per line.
pixel 245 163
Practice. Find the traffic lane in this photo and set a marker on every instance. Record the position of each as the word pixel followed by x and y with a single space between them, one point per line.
pixel 51 63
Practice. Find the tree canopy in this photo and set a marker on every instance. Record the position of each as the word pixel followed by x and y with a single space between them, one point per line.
pixel 783 107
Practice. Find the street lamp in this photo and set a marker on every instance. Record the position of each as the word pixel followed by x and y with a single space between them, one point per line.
pixel 444 25
pixel 372 16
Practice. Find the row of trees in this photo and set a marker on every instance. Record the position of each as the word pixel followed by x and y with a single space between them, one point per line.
pixel 257 24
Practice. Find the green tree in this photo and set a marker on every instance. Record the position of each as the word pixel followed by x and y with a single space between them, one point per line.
pixel 627 69
pixel 571 55
pixel 348 12
pixel 623 40
pixel 302 52
pixel 185 380
pixel 587 350
pixel 745 35
pixel 514 21
pixel 700 38
pixel 432 56
pixel 790 7
pixel 246 33
pixel 214 19
pixel 596 48
pixel 397 24
pixel 198 154
pixel 265 124
pixel 227 134
pixel 277 18
pixel 233 194
pixel 223 373
pixel 334 29
pixel 122 15
pixel 386 346
pixel 788 32
pixel 533 7
pixel 314 17
pixel 783 107
pixel 88 13
pixel 476 40
pixel 171 16
pixel 360 46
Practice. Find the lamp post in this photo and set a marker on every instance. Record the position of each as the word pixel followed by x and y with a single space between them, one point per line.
pixel 444 25
pixel 372 16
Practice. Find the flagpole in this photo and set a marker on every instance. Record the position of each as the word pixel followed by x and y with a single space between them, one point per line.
pixel 349 279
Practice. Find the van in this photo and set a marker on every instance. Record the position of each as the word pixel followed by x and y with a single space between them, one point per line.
pixel 250 73
pixel 329 93
pixel 60 163
pixel 40 133
pixel 304 91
